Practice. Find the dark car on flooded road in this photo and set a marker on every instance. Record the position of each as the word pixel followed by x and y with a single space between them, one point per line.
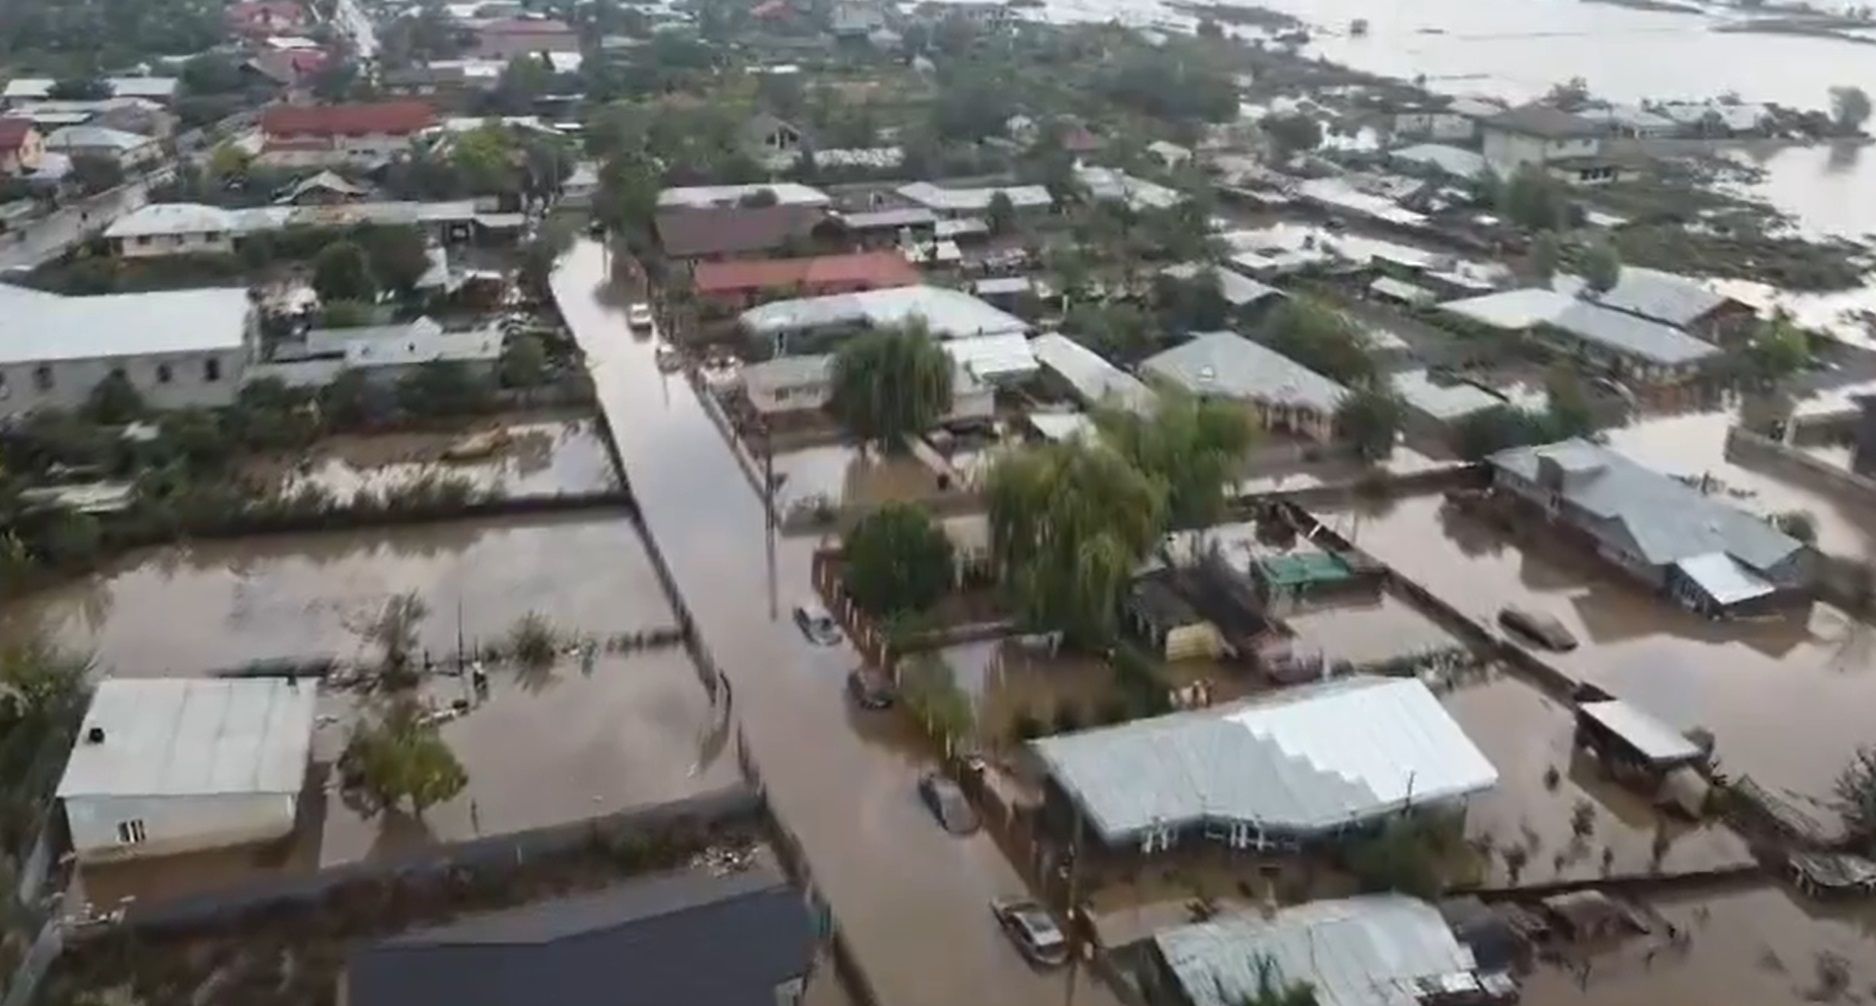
pixel 870 688
pixel 1537 627
pixel 947 803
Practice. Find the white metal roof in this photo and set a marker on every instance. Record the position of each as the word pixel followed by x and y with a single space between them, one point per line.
pixel 1723 579
pixel 1063 426
pixel 1443 401
pixel 121 87
pixel 1228 365
pixel 480 345
pixel 993 358
pixel 91 137
pixel 977 200
pixel 1300 761
pixel 192 737
pixel 173 218
pixel 1094 380
pixel 1370 950
pixel 38 327
pixel 1403 291
pixel 949 314
pixel 786 194
pixel 1456 161
pixel 1114 185
pixel 1656 741
pixel 1512 310
pixel 1631 335
pixel 1239 290
pixel 1661 296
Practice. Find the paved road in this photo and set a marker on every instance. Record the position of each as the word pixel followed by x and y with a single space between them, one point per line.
pixel 351 19
pixel 49 236
pixel 912 899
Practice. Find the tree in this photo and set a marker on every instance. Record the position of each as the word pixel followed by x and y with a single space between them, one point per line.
pixel 890 383
pixel 1194 304
pixel 1849 107
pixel 1495 429
pixel 1779 348
pixel 397 257
pixel 1194 449
pixel 1400 858
pixel 114 401
pixel 1371 416
pixel 627 196
pixel 536 267
pixel 488 160
pixel 1570 95
pixel 1001 213
pixel 80 89
pixel 1068 525
pixel 345 403
pixel 443 388
pixel 525 78
pixel 1545 255
pixel 402 757
pixel 1602 266
pixel 1855 790
pixel 1118 331
pixel 524 361
pixel 897 560
pixel 1320 338
pixel 1292 133
pixel 211 73
pixel 1534 200
pixel 929 690
pixel 1568 413
pixel 394 631
pixel 333 82
pixel 96 173
pixel 341 272
pixel 1798 524
pixel 1272 990
pixel 228 161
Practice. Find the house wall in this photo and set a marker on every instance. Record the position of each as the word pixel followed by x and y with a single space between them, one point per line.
pixel 1506 151
pixel 504 46
pixel 27 157
pixel 173 824
pixel 166 380
pixel 195 243
pixel 305 151
pixel 1436 125
pixel 1623 365
pixel 132 157
pixel 804 396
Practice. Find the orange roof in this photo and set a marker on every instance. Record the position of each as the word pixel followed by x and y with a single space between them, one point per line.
pixel 864 270
pixel 332 120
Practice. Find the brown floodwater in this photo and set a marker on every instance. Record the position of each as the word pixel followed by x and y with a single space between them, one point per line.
pixel 912 899
pixel 212 605
pixel 840 475
pixel 1789 698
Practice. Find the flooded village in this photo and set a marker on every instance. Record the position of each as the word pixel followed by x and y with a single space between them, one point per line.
pixel 1072 502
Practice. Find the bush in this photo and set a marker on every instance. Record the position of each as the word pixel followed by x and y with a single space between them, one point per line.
pixel 443 388
pixel 114 401
pixel 531 641
pixel 897 560
pixel 1402 857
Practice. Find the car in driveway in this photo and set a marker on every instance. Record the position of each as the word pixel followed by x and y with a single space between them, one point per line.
pixel 639 315
pixel 1032 929
pixel 947 803
pixel 816 623
pixel 1538 627
pixel 870 688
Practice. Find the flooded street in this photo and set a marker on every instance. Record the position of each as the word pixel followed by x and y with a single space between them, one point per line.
pixel 1824 187
pixel 195 608
pixel 912 899
pixel 1819 666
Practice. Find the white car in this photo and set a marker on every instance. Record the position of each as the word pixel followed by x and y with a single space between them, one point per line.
pixel 638 315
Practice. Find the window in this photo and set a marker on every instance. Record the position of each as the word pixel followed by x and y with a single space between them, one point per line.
pixel 131 832
pixel 164 374
pixel 211 369
pixel 42 377
pixel 143 239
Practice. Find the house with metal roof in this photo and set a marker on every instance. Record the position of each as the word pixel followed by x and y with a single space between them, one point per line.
pixel 126 149
pixel 1112 185
pixel 1620 342
pixel 946 314
pixel 746 939
pixel 705 196
pixel 1371 950
pixel 1631 735
pixel 1537 135
pixel 1669 299
pixel 169 765
pixel 178 348
pixel 1702 552
pixel 1280 393
pixel 1292 767
pixel 1246 298
pixel 1073 369
pixel 975 201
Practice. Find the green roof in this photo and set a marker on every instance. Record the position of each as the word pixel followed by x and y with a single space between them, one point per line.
pixel 1303 569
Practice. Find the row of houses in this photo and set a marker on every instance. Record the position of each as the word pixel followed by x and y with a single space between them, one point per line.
pixel 161 229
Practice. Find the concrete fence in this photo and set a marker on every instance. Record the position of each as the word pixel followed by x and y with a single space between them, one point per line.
pixel 1752 450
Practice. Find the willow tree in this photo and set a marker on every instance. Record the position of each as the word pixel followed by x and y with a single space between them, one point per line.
pixel 1194 447
pixel 890 383
pixel 1068 524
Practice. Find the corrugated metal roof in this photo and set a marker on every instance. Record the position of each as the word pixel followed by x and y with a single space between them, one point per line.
pixel 1456 161
pixel 1114 185
pixel 949 314
pixel 1654 739
pixel 1723 579
pixel 786 194
pixel 193 737
pixel 1661 296
pixel 993 358
pixel 1229 365
pixel 1444 402
pixel 1512 310
pixel 1095 381
pixel 1364 951
pixel 1665 520
pixel 1632 336
pixel 39 327
pixel 1298 761
pixel 1238 289
pixel 976 200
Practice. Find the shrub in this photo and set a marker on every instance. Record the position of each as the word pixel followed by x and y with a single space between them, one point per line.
pixel 531 641
pixel 897 560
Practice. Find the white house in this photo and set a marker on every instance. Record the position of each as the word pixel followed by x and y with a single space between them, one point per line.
pixel 178 348
pixel 129 150
pixel 169 765
pixel 1537 134
pixel 175 229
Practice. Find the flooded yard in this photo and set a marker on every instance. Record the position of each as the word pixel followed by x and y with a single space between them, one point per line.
pixel 1367 631
pixel 1810 671
pixel 195 608
pixel 541 457
pixel 840 475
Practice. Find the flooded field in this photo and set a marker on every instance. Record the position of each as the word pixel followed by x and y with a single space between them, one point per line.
pixel 1529 736
pixel 526 459
pixel 195 608
pixel 1748 944
pixel 838 474
pixel 1812 671
pixel 1367 631
pixel 1824 188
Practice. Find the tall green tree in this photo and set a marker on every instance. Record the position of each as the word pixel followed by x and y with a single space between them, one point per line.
pixel 1068 524
pixel 890 383
pixel 1545 255
pixel 1000 214
pixel 1320 338
pixel 1849 107
pixel 1370 416
pixel 1192 447
pixel 1602 266
pixel 897 560
pixel 1855 792
pixel 342 272
pixel 401 757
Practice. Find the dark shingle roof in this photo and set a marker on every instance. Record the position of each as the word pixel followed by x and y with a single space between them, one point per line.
pixel 688 232
pixel 683 938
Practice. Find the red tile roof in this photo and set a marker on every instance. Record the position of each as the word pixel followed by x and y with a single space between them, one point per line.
pixel 859 271
pixel 13 133
pixel 393 117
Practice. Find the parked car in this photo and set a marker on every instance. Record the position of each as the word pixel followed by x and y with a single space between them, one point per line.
pixel 816 623
pixel 870 688
pixel 639 315
pixel 1032 929
pixel 1538 627
pixel 948 803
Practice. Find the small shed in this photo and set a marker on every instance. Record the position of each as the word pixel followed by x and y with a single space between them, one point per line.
pixel 1285 581
pixel 1833 873
pixel 1626 734
pixel 1161 615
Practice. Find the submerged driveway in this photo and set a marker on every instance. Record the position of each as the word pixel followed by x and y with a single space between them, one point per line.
pixel 913 901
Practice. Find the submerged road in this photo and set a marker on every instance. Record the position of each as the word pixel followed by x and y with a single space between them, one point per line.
pixel 913 900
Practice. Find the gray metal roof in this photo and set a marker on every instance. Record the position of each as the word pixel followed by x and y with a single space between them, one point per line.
pixel 39 327
pixel 193 737
pixel 1095 381
pixel 1238 289
pixel 1512 310
pixel 1445 402
pixel 1629 335
pixel 950 314
pixel 975 200
pixel 1298 761
pixel 1654 739
pixel 1663 519
pixel 1543 120
pixel 993 358
pixel 1228 365
pixel 786 194
pixel 906 216
pixel 1723 579
pixel 1661 296
pixel 681 938
pixel 1371 950
pixel 1456 161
